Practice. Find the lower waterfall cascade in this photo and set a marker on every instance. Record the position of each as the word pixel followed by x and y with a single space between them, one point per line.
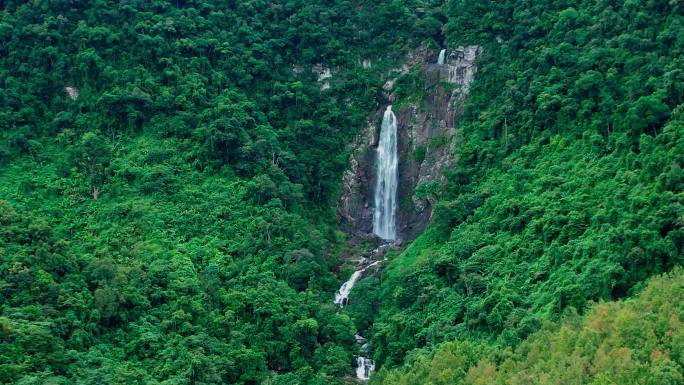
pixel 342 295
pixel 364 365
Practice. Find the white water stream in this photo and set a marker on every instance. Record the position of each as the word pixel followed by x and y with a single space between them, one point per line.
pixel 342 295
pixel 387 180
pixel 441 60
pixel 364 365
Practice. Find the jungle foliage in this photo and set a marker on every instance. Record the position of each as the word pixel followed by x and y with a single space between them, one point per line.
pixel 169 171
pixel 637 341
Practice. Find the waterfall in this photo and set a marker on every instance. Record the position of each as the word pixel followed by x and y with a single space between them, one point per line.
pixel 441 60
pixel 342 295
pixel 384 217
pixel 364 367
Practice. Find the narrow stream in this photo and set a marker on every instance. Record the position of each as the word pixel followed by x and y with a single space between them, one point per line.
pixel 364 365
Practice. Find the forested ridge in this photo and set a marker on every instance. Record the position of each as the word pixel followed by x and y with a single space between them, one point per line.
pixel 169 174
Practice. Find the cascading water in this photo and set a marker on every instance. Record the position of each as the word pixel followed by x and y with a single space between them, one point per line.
pixel 441 60
pixel 342 295
pixel 364 367
pixel 384 217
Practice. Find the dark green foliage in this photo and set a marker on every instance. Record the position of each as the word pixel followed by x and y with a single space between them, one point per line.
pixel 638 341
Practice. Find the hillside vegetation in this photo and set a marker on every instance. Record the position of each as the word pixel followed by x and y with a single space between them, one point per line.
pixel 569 183
pixel 638 341
pixel 169 173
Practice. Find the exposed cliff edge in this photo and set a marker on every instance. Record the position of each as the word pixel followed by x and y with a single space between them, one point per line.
pixel 426 143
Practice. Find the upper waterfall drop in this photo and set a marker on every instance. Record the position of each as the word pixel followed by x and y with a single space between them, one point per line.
pixel 385 214
pixel 441 60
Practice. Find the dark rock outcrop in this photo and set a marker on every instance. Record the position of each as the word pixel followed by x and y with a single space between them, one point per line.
pixel 355 206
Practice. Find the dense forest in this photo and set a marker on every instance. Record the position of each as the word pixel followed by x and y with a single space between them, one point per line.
pixel 569 184
pixel 170 173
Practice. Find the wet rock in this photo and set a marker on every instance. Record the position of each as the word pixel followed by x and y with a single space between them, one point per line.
pixel 461 66
pixel 355 205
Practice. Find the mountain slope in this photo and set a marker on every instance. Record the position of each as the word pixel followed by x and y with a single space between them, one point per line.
pixel 168 172
pixel 638 341
pixel 568 185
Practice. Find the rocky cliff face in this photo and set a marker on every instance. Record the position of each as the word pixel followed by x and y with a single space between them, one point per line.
pixel 355 209
pixel 427 140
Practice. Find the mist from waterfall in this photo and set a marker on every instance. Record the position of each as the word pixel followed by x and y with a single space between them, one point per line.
pixel 441 60
pixel 387 180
